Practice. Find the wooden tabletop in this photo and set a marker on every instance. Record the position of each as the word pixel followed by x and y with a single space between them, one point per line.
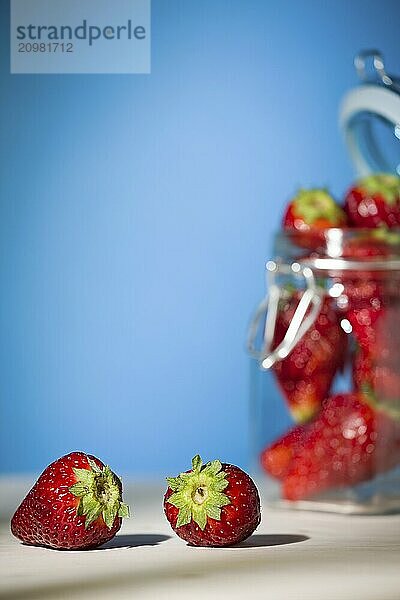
pixel 293 555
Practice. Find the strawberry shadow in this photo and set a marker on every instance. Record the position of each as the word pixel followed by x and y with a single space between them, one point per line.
pixel 134 541
pixel 274 539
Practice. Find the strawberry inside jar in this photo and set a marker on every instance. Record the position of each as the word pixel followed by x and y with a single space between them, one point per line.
pixel 338 378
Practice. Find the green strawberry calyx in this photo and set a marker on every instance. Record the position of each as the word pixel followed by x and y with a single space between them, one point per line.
pixel 100 494
pixel 389 408
pixel 198 494
pixel 315 204
pixel 383 234
pixel 385 185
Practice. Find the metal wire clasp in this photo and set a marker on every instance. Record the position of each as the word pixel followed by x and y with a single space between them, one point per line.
pixel 360 62
pixel 267 312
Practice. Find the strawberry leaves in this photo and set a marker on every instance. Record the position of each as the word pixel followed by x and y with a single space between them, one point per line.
pixel 385 185
pixel 314 205
pixel 198 494
pixel 100 494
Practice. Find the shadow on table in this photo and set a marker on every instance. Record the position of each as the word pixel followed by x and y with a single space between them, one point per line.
pixel 133 541
pixel 274 539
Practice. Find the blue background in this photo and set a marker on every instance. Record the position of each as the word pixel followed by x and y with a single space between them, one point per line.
pixel 136 216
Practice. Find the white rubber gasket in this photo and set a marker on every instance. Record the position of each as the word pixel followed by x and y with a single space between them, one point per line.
pixel 367 98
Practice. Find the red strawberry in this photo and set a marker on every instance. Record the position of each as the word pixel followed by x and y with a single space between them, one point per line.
pixel 365 289
pixel 366 247
pixel 350 441
pixel 364 323
pixel 276 458
pixel 374 201
pixel 307 216
pixel 369 243
pixel 305 394
pixel 376 331
pixel 386 347
pixel 212 505
pixel 75 504
pixel 306 374
pixel 313 209
pixel 371 376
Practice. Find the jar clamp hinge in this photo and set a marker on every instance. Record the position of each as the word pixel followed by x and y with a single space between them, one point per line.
pixel 267 313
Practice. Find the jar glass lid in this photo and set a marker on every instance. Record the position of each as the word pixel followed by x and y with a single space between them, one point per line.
pixel 370 118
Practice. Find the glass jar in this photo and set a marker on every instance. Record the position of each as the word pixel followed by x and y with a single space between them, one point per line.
pixel 328 334
pixel 325 385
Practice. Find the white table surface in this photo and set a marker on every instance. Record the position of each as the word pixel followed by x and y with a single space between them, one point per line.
pixel 293 555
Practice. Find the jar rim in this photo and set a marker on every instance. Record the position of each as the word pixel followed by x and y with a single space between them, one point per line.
pixel 346 264
pixel 354 248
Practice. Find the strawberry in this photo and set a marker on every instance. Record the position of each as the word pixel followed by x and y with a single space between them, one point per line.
pixel 307 216
pixel 363 321
pixel 375 328
pixel 212 505
pixel 366 289
pixel 371 375
pixel 369 243
pixel 75 504
pixel 350 441
pixel 385 348
pixel 374 201
pixel 313 209
pixel 306 374
pixel 276 458
pixel 305 394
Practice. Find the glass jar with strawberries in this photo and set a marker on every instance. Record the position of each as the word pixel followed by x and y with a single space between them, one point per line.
pixel 327 337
